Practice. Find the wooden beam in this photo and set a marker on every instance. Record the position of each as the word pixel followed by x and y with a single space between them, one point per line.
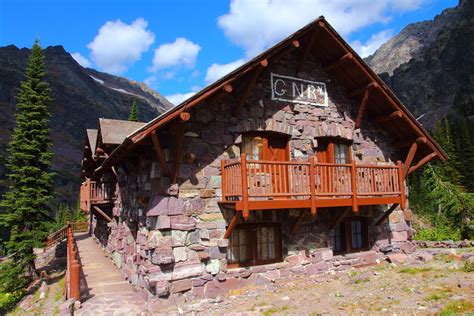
pixel 297 222
pixel 306 53
pixel 295 43
pixel 386 214
pixel 159 154
pixel 233 223
pixel 423 161
pixel 102 213
pixel 340 218
pixel 227 88
pixel 248 88
pixel 338 62
pixel 390 117
pixel 361 110
pixel 177 153
pixel 184 117
pixel 359 91
pixel 411 154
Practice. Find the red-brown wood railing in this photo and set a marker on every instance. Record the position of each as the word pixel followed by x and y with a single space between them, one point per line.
pixel 295 180
pixel 56 237
pixel 73 270
pixel 95 192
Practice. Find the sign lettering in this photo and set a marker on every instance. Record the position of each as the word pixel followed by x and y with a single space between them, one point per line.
pixel 298 90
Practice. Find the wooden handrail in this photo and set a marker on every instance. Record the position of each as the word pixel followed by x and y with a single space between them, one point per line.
pixel 73 271
pixel 247 180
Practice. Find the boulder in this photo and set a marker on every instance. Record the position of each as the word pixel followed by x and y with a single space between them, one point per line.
pixel 397 258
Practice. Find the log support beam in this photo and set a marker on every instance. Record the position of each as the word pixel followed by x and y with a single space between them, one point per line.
pixel 411 154
pixel 306 53
pixel 420 163
pixel 235 220
pixel 386 214
pixel 248 89
pixel 359 91
pixel 159 154
pixel 102 213
pixel 340 218
pixel 296 224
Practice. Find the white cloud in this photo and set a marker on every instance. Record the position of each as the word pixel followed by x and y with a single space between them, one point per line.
pixel 178 98
pixel 181 52
pixel 150 81
pixel 256 25
pixel 118 45
pixel 372 44
pixel 406 5
pixel 83 61
pixel 217 71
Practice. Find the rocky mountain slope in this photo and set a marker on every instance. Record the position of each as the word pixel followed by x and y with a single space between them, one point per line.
pixel 430 65
pixel 80 97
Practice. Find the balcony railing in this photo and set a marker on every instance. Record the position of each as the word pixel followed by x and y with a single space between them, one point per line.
pixel 93 192
pixel 298 184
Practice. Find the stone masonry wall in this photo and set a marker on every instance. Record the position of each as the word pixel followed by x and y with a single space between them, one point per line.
pixel 169 239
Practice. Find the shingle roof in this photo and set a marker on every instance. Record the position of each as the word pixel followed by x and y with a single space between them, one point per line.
pixel 92 138
pixel 114 132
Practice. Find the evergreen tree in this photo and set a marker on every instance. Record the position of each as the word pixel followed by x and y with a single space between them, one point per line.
pixel 30 181
pixel 133 112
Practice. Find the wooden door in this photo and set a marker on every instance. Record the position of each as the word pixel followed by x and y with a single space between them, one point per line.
pixel 276 149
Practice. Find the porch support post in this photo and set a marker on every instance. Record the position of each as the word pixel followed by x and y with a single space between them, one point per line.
pixel 233 223
pixel 245 187
pixel 355 207
pixel 159 154
pixel 223 180
pixel 386 214
pixel 401 184
pixel 312 183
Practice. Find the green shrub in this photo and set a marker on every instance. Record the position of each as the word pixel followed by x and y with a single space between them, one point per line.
pixel 9 300
pixel 468 266
pixel 12 277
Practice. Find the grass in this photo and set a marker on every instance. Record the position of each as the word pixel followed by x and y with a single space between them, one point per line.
pixel 275 310
pixel 412 271
pixel 468 266
pixel 457 307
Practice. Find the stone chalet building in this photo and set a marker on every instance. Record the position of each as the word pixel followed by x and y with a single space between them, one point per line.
pixel 291 165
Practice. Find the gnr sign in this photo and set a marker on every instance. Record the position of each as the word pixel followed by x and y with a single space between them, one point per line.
pixel 297 90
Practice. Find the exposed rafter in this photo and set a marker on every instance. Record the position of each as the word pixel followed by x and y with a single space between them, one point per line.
pixel 159 154
pixel 412 153
pixel 338 62
pixel 359 91
pixel 389 117
pixel 248 88
pixel 295 43
pixel 306 53
pixel 361 110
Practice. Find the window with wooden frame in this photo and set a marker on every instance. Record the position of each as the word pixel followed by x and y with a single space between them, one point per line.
pixel 254 244
pixel 266 146
pixel 334 151
pixel 351 235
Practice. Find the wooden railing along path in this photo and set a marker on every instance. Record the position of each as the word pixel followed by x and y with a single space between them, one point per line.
pixel 73 271
pixel 289 183
pixel 61 234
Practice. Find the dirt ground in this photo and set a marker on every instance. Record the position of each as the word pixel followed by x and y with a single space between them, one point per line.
pixel 440 286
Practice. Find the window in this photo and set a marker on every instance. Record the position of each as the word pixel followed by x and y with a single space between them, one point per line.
pixel 351 235
pixel 266 146
pixel 333 151
pixel 254 244
pixel 253 147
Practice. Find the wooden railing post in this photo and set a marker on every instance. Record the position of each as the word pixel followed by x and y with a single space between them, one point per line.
pixel 74 291
pixel 312 183
pixel 401 184
pixel 355 207
pixel 223 180
pixel 245 187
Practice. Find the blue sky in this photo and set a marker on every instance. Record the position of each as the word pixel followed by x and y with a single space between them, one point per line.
pixel 179 47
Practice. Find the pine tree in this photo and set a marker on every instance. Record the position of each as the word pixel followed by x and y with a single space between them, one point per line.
pixel 30 181
pixel 133 112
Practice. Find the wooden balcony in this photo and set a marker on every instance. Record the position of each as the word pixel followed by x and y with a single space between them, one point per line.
pixel 93 193
pixel 308 184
